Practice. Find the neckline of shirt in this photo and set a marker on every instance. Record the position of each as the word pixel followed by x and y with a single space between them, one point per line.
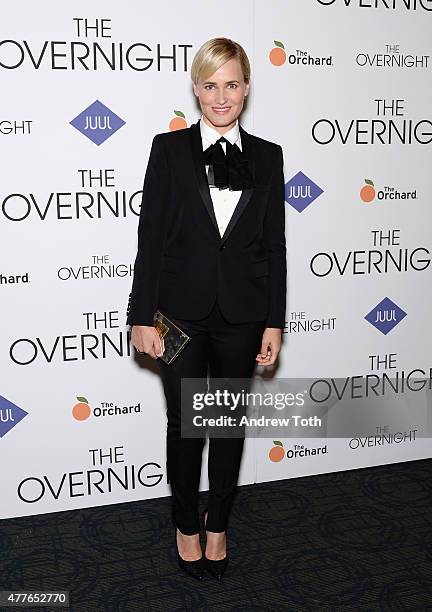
pixel 209 135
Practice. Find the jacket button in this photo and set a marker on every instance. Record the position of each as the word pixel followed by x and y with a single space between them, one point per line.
pixel 223 247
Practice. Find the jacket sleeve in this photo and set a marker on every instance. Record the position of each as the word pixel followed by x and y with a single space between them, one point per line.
pixel 152 232
pixel 274 240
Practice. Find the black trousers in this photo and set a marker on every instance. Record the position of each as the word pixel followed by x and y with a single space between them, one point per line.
pixel 218 349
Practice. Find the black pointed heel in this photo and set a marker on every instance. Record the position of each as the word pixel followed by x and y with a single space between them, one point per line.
pixel 192 568
pixel 218 567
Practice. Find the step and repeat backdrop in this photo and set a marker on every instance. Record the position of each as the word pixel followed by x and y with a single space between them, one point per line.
pixel 344 87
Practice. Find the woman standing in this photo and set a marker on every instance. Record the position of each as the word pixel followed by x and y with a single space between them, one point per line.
pixel 212 257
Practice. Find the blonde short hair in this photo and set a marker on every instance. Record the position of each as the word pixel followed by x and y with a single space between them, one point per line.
pixel 213 54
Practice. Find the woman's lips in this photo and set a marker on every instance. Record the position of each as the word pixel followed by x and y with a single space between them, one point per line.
pixel 222 110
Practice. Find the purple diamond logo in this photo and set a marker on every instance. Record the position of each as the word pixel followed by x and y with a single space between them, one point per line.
pixel 385 315
pixel 97 122
pixel 300 191
pixel 10 415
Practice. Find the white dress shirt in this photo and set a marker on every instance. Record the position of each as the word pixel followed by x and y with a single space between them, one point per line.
pixel 224 200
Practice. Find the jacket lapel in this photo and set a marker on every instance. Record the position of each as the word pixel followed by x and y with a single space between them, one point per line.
pixel 197 151
pixel 203 187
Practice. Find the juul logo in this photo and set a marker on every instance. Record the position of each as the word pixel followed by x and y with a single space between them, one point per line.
pixel 301 191
pixel 97 122
pixel 385 315
pixel 10 415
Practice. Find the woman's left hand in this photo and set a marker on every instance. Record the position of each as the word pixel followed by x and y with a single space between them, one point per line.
pixel 270 346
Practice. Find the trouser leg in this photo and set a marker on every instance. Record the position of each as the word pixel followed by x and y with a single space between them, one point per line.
pixel 232 352
pixel 184 455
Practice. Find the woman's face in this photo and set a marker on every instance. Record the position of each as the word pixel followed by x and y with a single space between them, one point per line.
pixel 222 95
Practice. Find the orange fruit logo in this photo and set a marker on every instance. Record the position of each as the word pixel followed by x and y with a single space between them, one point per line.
pixel 81 411
pixel 178 122
pixel 277 55
pixel 367 193
pixel 277 452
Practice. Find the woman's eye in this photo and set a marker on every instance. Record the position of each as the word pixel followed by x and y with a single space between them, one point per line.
pixel 233 85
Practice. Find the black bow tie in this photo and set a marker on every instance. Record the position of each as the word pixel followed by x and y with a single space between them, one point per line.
pixel 228 169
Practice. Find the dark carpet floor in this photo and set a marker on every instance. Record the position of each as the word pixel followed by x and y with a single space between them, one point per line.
pixel 358 540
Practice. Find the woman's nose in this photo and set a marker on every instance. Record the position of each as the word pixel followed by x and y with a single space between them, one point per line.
pixel 221 97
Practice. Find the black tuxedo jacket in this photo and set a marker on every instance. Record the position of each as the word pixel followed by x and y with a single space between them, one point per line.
pixel 182 261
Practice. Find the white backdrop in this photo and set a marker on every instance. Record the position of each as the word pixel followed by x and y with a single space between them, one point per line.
pixel 348 76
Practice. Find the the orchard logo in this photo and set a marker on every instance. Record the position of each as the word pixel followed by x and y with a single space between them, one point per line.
pixel 97 122
pixel 10 415
pixel 81 410
pixel 277 451
pixel 278 56
pixel 301 191
pixel 385 315
pixel 368 193
pixel 178 122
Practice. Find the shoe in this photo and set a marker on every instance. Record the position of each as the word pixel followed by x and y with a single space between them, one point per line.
pixel 193 568
pixel 215 568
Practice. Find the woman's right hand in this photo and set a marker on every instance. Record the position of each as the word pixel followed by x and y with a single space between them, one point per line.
pixel 146 339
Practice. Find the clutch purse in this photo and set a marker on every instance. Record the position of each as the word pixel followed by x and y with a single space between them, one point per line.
pixel 174 338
